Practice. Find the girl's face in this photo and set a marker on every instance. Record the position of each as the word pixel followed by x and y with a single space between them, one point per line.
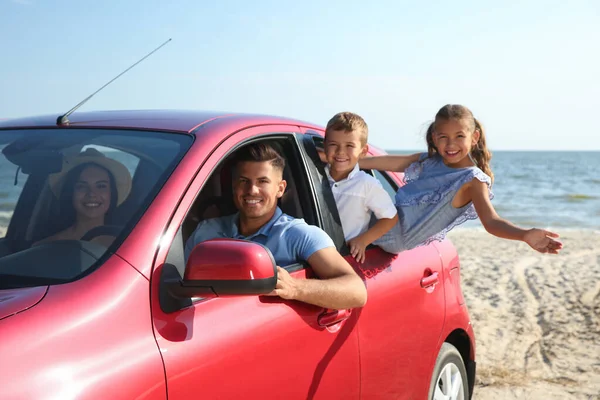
pixel 91 197
pixel 454 139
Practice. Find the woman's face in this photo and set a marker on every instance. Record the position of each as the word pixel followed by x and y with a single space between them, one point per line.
pixel 91 196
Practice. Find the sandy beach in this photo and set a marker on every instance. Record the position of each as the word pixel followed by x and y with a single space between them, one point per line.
pixel 536 317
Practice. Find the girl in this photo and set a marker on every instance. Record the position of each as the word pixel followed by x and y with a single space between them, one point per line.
pixel 449 185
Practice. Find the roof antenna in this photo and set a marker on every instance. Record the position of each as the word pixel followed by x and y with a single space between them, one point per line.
pixel 63 119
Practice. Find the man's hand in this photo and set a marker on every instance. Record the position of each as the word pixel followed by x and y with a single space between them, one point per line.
pixel 357 249
pixel 286 287
pixel 543 241
pixel 338 286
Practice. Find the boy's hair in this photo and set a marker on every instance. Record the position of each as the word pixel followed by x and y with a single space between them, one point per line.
pixel 479 152
pixel 348 122
pixel 260 152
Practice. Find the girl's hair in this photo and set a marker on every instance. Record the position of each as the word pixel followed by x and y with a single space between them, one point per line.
pixel 66 209
pixel 479 152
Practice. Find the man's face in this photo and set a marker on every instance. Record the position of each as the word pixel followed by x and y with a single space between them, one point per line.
pixel 256 188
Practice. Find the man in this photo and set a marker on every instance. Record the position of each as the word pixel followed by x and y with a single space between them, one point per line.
pixel 257 184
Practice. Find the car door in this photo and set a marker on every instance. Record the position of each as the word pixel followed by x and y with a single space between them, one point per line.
pixel 404 319
pixel 252 346
pixel 400 326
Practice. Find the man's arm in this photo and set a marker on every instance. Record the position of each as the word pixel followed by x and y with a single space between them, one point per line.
pixel 339 287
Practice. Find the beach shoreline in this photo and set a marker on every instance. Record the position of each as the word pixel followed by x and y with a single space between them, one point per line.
pixel 536 317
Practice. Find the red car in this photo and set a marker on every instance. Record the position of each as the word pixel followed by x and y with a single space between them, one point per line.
pixel 128 319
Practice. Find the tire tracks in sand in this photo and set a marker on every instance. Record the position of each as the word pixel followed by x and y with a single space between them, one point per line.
pixel 534 315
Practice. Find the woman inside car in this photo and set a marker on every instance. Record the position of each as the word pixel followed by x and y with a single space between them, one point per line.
pixel 89 188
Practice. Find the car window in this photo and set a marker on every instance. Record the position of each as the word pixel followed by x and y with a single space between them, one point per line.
pixel 387 183
pixel 215 199
pixel 11 185
pixel 69 195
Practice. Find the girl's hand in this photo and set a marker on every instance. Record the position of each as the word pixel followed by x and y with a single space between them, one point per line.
pixel 543 241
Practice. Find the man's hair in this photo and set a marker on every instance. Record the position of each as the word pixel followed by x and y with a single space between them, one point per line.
pixel 260 152
pixel 348 122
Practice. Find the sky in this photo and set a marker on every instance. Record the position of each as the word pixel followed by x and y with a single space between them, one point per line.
pixel 529 70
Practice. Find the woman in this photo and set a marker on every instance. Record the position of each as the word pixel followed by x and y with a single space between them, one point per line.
pixel 89 188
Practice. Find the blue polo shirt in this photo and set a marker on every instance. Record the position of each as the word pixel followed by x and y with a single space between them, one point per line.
pixel 290 240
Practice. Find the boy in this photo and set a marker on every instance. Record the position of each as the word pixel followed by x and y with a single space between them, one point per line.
pixel 357 194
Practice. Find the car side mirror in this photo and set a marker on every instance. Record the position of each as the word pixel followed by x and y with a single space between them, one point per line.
pixel 226 267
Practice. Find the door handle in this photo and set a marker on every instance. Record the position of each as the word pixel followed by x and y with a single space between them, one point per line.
pixel 430 280
pixel 333 317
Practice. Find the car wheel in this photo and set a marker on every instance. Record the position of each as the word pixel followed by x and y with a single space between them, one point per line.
pixel 449 378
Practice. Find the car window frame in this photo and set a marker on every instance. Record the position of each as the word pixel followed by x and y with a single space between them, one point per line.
pixel 304 185
pixel 329 215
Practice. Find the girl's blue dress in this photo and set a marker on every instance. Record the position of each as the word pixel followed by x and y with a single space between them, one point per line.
pixel 424 203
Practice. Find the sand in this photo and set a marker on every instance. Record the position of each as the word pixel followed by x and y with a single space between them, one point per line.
pixel 536 317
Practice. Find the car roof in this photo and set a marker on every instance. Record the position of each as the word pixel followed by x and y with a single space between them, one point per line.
pixel 183 121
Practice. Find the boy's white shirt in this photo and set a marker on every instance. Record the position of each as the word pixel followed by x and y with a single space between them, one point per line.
pixel 356 197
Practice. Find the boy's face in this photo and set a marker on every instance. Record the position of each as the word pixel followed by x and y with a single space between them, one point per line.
pixel 343 149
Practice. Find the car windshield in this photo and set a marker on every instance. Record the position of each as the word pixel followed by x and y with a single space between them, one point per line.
pixel 67 196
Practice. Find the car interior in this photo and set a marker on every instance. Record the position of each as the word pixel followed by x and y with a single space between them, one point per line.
pixel 71 257
pixel 45 206
pixel 216 197
pixel 36 215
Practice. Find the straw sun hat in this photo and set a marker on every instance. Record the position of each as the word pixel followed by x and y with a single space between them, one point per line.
pixel 93 156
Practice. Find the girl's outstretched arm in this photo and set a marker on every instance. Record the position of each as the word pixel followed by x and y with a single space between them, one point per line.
pixel 538 239
pixel 396 163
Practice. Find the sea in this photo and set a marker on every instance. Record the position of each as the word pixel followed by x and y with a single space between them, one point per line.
pixel 544 189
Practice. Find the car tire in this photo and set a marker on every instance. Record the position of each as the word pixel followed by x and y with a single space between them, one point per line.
pixel 449 378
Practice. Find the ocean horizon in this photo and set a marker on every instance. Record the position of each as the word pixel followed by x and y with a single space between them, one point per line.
pixel 544 189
